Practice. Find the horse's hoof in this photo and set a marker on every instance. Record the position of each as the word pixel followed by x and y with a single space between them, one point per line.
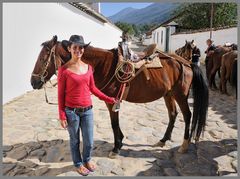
pixel 113 155
pixel 159 144
pixel 196 139
pixel 182 150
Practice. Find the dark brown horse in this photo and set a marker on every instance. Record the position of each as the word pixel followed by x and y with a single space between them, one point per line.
pixel 172 82
pixel 226 69
pixel 214 64
pixel 186 50
pixel 234 76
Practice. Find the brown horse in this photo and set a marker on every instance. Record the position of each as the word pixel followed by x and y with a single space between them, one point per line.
pixel 214 64
pixel 234 76
pixel 172 82
pixel 186 50
pixel 226 69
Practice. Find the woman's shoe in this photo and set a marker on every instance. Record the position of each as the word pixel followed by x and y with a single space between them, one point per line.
pixel 83 170
pixel 91 167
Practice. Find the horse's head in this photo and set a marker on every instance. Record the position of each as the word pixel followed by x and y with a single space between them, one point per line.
pixel 52 55
pixel 188 48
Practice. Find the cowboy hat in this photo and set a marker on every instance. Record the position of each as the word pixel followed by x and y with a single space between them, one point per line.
pixel 76 39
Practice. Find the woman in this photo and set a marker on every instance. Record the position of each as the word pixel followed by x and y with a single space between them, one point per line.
pixel 75 83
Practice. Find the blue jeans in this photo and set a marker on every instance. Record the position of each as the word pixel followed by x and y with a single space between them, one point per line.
pixel 83 121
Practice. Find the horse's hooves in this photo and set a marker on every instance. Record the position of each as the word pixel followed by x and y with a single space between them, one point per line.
pixel 159 144
pixel 182 150
pixel 196 141
pixel 113 155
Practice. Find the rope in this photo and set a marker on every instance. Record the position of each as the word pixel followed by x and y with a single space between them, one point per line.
pixel 127 69
pixel 127 75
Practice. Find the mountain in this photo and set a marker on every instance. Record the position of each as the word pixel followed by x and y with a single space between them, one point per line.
pixel 154 13
pixel 122 14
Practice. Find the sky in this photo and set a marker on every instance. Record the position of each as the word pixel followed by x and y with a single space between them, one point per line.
pixel 108 9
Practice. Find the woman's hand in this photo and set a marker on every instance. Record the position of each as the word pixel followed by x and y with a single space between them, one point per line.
pixel 115 100
pixel 64 123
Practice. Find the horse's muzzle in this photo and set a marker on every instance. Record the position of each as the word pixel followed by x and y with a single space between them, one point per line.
pixel 36 84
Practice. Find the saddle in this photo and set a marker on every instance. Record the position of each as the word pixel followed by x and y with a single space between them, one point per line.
pixel 148 57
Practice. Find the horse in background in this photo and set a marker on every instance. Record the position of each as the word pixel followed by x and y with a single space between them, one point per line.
pixel 214 64
pixel 234 76
pixel 226 69
pixel 172 82
pixel 186 50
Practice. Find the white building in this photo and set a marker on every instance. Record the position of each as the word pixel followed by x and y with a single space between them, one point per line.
pixel 27 25
pixel 161 35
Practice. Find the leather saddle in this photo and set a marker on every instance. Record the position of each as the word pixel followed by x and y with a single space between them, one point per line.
pixel 148 57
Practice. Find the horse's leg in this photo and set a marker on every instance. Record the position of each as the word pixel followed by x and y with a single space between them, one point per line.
pixel 183 104
pixel 212 78
pixel 118 135
pixel 227 77
pixel 172 113
pixel 222 80
pixel 209 66
pixel 219 73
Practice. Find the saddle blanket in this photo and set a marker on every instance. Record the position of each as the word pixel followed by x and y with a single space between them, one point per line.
pixel 154 63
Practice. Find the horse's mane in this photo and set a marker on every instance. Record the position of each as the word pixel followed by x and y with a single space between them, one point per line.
pixel 95 52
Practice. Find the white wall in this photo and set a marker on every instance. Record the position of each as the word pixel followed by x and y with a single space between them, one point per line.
pixel 147 41
pixel 160 33
pixel 219 37
pixel 27 25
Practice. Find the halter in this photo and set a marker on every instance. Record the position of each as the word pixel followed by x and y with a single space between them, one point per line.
pixel 43 74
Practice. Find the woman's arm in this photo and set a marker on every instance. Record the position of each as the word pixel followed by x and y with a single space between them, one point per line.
pixel 61 94
pixel 98 93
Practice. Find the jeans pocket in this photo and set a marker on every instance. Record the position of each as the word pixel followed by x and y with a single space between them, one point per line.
pixel 71 116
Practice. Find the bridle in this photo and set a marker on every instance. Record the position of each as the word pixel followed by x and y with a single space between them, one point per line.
pixel 184 53
pixel 44 73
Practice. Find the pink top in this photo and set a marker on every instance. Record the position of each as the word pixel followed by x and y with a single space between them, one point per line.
pixel 74 90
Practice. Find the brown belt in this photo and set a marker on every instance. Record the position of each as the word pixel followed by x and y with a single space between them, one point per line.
pixel 80 109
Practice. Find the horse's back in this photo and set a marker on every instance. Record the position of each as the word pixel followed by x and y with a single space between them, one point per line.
pixel 161 81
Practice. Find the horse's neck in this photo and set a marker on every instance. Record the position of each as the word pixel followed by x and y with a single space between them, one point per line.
pixel 104 66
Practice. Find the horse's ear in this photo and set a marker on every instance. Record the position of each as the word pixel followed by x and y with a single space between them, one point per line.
pixel 192 41
pixel 186 41
pixel 54 39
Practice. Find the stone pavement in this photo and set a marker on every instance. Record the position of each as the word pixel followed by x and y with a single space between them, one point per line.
pixel 34 144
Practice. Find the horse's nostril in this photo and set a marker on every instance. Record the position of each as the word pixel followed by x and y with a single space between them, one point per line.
pixel 36 84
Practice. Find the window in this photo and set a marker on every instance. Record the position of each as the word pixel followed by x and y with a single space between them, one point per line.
pixel 161 37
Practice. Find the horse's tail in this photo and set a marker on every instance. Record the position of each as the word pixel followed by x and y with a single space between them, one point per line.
pixel 233 78
pixel 200 106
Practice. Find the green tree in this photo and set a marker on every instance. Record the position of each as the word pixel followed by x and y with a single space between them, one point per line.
pixel 136 30
pixel 197 15
pixel 143 28
pixel 125 27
